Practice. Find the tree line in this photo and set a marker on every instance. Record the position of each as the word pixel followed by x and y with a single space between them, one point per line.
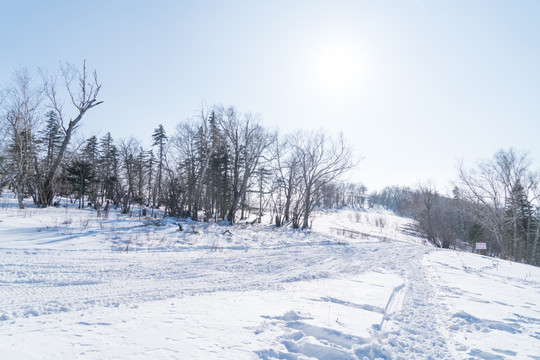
pixel 496 202
pixel 224 165
pixel 219 165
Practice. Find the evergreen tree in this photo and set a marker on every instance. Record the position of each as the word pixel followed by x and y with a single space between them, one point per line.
pixel 50 138
pixel 222 179
pixel 475 233
pixel 521 223
pixel 80 174
pixel 108 168
pixel 159 138
pixel 141 164
pixel 150 162
pixel 90 150
pixel 91 155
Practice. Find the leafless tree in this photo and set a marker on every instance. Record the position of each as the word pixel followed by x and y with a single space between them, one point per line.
pixel 490 191
pixel 208 143
pixel 184 153
pixel 286 177
pixel 248 141
pixel 129 150
pixel 82 90
pixel 321 159
pixel 21 109
pixel 435 216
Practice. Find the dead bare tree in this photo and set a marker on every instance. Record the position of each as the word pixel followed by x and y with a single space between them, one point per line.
pixel 82 90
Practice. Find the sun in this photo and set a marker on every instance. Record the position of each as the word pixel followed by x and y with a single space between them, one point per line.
pixel 336 69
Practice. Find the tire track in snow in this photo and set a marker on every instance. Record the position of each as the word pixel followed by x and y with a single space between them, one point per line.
pixel 49 281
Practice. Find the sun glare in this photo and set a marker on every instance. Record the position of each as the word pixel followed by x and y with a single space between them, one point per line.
pixel 336 70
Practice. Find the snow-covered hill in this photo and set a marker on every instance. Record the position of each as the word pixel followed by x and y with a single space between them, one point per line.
pixel 77 286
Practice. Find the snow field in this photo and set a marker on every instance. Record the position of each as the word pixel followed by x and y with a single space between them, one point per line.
pixel 365 225
pixel 492 306
pixel 358 286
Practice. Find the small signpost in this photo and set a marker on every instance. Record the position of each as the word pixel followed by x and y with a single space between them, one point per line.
pixel 481 246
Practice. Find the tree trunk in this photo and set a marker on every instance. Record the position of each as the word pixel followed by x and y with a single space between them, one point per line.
pixel 535 253
pixel 20 197
pixel 307 209
pixel 234 207
pixel 198 191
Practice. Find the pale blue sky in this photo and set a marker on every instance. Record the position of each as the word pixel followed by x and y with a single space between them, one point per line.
pixel 413 85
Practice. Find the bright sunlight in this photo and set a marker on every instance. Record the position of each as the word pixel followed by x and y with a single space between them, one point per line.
pixel 336 69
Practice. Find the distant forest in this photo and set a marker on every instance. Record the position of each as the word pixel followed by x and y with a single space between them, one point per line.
pixel 496 203
pixel 223 165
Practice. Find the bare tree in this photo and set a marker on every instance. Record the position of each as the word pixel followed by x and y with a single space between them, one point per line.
pixel 248 141
pixel 490 191
pixel 287 178
pixel 184 152
pixel 4 178
pixel 321 160
pixel 82 90
pixel 129 151
pixel 21 107
pixel 435 216
pixel 208 143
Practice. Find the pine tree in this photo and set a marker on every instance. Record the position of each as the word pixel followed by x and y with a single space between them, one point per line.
pixel 475 233
pixel 48 143
pixel 141 165
pixel 150 162
pixel 90 151
pixel 50 138
pixel 108 167
pixel 520 223
pixel 219 180
pixel 91 155
pixel 159 138
pixel 80 174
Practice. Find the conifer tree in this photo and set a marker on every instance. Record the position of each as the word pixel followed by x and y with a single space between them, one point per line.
pixel 91 156
pixel 475 233
pixel 50 138
pixel 159 138
pixel 521 222
pixel 108 168
pixel 80 174
pixel 150 162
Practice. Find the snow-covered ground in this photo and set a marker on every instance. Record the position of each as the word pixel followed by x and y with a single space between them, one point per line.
pixel 77 286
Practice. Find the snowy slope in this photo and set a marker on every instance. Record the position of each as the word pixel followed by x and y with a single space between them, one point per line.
pixel 75 285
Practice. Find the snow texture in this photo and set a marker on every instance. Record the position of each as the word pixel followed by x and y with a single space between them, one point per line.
pixel 78 284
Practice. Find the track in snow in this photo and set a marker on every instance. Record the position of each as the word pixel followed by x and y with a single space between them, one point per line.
pixel 36 282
